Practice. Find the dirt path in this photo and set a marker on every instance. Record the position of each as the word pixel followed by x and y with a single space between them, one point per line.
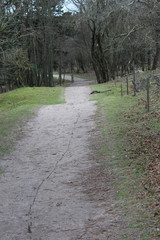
pixel 52 189
pixel 78 81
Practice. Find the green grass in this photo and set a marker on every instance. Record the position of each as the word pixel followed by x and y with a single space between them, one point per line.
pixel 17 106
pixel 35 95
pixel 126 128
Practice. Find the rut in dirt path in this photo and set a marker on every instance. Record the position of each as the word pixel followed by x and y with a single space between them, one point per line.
pixel 44 192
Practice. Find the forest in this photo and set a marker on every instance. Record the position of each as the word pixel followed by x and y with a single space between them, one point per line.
pixel 80 119
pixel 111 38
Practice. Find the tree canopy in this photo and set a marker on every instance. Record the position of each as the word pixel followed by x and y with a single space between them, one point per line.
pixel 108 36
pixel 28 41
pixel 119 34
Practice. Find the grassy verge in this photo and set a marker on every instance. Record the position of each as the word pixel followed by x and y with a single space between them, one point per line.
pixel 131 149
pixel 17 106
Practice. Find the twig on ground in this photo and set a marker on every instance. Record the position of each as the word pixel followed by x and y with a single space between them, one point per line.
pixel 95 91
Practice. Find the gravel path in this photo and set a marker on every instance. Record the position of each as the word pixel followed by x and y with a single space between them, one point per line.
pixel 78 81
pixel 48 189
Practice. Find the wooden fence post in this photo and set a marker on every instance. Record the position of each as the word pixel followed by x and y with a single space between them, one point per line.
pixel 134 79
pixel 148 97
pixel 121 88
pixel 127 84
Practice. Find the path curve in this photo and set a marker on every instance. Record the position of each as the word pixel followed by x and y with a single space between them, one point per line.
pixel 41 197
pixel 77 81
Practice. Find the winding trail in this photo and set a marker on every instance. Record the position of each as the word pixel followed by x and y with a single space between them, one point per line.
pixel 42 193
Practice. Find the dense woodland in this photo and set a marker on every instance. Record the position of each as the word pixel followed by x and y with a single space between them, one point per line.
pixel 111 37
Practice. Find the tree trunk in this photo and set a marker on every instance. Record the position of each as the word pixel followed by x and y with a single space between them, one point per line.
pixel 156 57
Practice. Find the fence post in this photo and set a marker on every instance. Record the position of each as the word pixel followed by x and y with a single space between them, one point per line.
pixel 127 83
pixel 134 79
pixel 121 88
pixel 148 102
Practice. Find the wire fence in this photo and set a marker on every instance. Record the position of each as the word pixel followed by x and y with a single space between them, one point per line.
pixel 149 83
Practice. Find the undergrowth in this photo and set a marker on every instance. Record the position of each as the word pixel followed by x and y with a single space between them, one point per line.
pixel 132 149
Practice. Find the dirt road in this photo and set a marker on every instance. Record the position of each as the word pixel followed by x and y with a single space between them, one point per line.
pixel 51 188
pixel 77 81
